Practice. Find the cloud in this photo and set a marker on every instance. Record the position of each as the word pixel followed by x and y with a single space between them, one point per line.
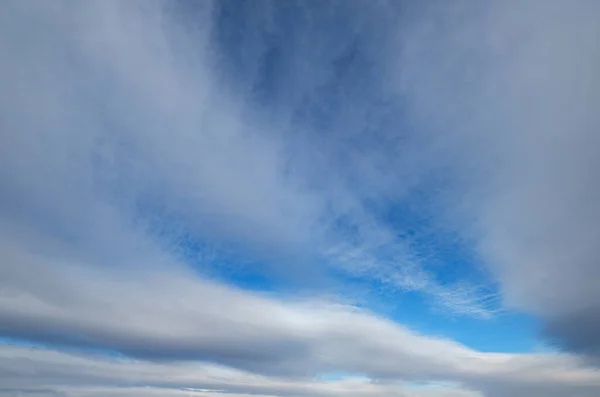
pixel 136 132
pixel 124 121
pixel 170 315
pixel 89 375
pixel 67 374
pixel 141 126
pixel 133 125
pixel 175 319
pixel 513 90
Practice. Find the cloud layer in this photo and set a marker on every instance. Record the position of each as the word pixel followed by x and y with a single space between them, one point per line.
pixel 139 138
pixel 515 91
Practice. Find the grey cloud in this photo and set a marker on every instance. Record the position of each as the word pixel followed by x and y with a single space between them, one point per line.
pixel 124 123
pixel 105 120
pixel 172 318
pixel 514 91
pixel 79 374
pixel 577 332
pixel 173 315
pixel 45 372
pixel 123 119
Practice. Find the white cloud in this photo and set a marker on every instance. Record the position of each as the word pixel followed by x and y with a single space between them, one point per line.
pixel 172 314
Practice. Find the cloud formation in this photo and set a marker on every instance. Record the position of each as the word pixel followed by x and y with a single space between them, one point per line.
pixel 137 126
pixel 171 320
pixel 137 134
pixel 67 374
pixel 514 91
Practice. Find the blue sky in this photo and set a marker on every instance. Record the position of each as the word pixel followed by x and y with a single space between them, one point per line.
pixel 299 198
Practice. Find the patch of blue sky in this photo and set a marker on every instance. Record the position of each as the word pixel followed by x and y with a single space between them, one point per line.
pixel 508 332
pixel 452 260
pixel 441 250
pixel 210 256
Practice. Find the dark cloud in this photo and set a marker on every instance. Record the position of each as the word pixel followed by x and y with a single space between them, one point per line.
pixel 577 332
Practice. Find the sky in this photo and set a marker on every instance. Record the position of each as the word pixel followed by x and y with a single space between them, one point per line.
pixel 299 198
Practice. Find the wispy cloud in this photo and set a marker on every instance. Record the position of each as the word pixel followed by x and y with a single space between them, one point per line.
pixel 134 133
pixel 137 132
pixel 514 92
pixel 171 320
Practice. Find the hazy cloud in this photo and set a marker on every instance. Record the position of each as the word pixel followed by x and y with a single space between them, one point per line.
pixel 134 131
pixel 515 90
pixel 64 374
